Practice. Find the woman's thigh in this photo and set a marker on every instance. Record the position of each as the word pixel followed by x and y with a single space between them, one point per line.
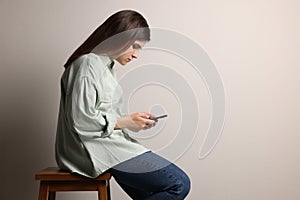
pixel 150 176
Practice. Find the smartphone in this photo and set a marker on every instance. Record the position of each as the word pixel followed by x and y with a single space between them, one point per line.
pixel 158 117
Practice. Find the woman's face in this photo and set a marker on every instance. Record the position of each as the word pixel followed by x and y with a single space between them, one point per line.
pixel 131 52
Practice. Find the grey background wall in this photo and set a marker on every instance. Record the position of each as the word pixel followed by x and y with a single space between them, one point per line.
pixel 254 44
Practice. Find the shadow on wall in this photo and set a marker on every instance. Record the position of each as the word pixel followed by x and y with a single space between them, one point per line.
pixel 28 123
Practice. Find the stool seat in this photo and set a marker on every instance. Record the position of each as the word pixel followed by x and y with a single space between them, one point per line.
pixel 53 179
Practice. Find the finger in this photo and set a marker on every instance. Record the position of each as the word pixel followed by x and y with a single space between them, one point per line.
pixel 151 116
pixel 150 125
pixel 154 124
pixel 145 115
pixel 150 121
pixel 146 121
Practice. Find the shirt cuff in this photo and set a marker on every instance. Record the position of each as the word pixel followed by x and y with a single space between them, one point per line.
pixel 111 121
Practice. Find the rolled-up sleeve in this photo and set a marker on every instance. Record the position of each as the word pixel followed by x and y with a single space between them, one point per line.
pixel 90 121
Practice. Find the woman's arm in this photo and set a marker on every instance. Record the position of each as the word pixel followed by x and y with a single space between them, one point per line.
pixel 89 121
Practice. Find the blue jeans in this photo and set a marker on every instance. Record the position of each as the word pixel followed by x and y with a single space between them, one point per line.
pixel 151 177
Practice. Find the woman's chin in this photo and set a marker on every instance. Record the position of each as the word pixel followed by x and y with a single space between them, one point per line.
pixel 124 62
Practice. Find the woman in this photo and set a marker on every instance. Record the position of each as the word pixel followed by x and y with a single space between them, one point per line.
pixel 91 134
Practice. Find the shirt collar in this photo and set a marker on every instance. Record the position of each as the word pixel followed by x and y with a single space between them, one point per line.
pixel 108 61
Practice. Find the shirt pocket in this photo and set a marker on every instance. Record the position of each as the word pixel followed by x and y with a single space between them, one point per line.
pixel 108 102
pixel 107 97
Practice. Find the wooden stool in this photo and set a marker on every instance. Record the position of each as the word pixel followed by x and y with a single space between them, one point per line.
pixel 52 179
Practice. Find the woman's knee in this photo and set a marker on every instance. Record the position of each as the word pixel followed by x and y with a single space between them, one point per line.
pixel 185 186
pixel 181 187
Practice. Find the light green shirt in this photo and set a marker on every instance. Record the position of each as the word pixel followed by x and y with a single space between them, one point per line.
pixel 86 141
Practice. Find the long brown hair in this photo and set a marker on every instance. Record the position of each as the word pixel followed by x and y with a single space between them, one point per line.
pixel 116 34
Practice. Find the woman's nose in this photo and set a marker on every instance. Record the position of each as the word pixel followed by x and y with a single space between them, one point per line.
pixel 135 54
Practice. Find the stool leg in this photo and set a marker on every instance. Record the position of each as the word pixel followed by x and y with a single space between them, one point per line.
pixel 44 189
pixel 108 191
pixel 52 195
pixel 102 192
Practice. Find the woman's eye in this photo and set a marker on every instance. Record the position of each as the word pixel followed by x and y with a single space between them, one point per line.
pixel 136 46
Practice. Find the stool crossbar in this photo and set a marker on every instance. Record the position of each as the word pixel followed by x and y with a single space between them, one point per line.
pixel 52 179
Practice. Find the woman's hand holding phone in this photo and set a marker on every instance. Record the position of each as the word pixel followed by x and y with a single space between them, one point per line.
pixel 136 121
